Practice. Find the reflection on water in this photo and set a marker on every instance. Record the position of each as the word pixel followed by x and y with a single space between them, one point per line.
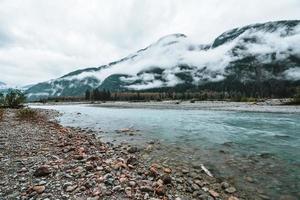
pixel 260 151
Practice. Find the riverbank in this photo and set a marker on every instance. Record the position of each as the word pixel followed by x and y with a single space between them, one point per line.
pixel 40 159
pixel 272 105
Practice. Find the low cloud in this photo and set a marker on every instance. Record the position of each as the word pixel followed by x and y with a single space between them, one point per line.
pixel 42 40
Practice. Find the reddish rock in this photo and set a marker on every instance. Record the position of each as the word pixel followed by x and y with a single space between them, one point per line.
pixel 153 171
pixel 160 190
pixel 167 170
pixel 213 193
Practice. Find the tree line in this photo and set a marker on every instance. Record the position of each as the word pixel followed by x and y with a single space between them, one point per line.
pixel 97 95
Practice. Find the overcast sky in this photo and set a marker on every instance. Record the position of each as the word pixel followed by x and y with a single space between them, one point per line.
pixel 45 39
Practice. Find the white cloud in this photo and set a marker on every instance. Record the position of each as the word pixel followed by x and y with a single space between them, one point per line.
pixel 41 40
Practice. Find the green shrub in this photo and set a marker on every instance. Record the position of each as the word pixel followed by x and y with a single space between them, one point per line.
pixel 2 100
pixel 14 99
pixel 294 101
pixel 26 114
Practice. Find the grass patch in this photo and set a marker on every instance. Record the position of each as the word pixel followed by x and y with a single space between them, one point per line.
pixel 26 114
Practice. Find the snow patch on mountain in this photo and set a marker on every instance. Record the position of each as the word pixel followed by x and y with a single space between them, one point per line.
pixel 293 73
pixel 174 50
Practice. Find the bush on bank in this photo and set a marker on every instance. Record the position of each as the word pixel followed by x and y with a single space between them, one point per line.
pixel 1 114
pixel 12 99
pixel 26 114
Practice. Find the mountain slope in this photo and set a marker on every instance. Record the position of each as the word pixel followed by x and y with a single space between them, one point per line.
pixel 257 53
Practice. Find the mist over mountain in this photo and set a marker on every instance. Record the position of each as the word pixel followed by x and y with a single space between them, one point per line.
pixel 259 58
pixel 2 85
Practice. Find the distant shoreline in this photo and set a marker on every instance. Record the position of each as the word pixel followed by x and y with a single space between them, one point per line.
pixel 272 105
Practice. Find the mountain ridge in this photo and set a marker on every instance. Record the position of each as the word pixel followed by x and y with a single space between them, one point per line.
pixel 257 52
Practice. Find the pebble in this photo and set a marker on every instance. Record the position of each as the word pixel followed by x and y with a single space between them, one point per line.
pixel 214 193
pixel 249 179
pixel 205 197
pixel 39 188
pixel 160 190
pixel 146 188
pixel 195 187
pixel 233 198
pixel 132 149
pixel 132 183
pixel 117 188
pixel 22 170
pixel 167 170
pixel 71 188
pixel 166 179
pixel 42 171
pixel 230 190
pixel 224 185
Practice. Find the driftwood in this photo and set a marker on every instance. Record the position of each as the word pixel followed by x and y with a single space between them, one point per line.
pixel 206 170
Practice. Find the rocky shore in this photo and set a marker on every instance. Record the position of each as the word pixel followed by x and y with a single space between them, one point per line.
pixel 40 159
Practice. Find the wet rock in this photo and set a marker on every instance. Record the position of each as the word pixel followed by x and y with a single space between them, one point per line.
pixel 265 197
pixel 230 190
pixel 132 149
pixel 225 185
pixel 146 188
pixel 287 197
pixel 249 179
pixel 42 171
pixel 166 179
pixel 160 190
pixel 149 148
